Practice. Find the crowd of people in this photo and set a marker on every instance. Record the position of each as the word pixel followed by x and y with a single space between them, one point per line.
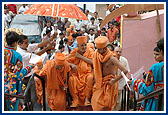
pixel 10 11
pixel 77 55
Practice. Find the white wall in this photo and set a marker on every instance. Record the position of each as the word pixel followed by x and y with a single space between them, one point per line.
pixel 90 7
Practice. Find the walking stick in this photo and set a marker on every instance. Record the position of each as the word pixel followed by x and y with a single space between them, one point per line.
pixel 68 98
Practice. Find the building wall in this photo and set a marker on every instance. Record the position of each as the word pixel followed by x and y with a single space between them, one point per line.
pixel 139 40
pixel 101 9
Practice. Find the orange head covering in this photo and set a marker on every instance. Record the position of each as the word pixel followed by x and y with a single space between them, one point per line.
pixel 81 39
pixel 71 26
pixel 90 45
pixel 101 42
pixel 68 29
pixel 39 63
pixel 59 58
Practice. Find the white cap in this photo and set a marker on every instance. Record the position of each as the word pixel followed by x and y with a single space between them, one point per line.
pixel 55 25
pixel 100 18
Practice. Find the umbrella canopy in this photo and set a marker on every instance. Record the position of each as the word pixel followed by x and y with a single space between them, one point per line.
pixel 57 10
pixel 128 8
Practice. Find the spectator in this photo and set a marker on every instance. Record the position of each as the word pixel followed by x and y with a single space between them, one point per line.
pixel 26 50
pixel 23 9
pixel 61 48
pixel 96 18
pixel 78 32
pixel 48 27
pixel 74 44
pixel 78 25
pixel 112 32
pixel 110 46
pixel 83 32
pixel 92 24
pixel 72 29
pixel 86 22
pixel 47 35
pixel 100 21
pixel 14 71
pixel 56 29
pixel 91 35
pixel 157 55
pixel 66 45
pixel 103 32
pixel 152 80
pixel 60 24
pixel 66 23
pixel 5 6
pixel 121 82
pixel 69 36
pixel 7 19
pixel 48 19
pixel 61 38
pixel 42 21
pixel 13 8
pixel 85 28
pixel 11 15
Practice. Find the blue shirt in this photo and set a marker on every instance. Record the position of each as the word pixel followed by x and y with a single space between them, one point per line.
pixel 74 45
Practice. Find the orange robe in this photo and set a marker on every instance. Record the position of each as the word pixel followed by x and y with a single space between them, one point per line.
pixel 55 80
pixel 39 87
pixel 70 38
pixel 104 95
pixel 80 81
pixel 111 34
pixel 73 31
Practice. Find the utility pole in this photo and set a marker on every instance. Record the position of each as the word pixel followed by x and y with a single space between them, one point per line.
pixel 84 7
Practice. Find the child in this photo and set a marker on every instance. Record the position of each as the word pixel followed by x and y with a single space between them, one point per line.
pixel 14 71
pixel 157 55
pixel 91 35
pixel 153 80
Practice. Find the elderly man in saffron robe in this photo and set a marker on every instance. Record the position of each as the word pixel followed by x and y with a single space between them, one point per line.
pixel 56 71
pixel 81 81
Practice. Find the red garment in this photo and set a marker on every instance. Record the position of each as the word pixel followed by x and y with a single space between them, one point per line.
pixel 12 7
pixel 118 20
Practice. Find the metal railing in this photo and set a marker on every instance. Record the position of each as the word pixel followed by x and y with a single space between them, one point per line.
pixel 159 93
pixel 125 104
